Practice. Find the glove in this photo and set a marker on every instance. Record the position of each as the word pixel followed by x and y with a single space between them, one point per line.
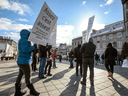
pixel 35 45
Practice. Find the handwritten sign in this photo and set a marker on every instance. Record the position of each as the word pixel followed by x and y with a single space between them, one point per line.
pixel 43 26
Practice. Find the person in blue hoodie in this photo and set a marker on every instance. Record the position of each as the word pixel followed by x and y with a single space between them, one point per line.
pixel 25 49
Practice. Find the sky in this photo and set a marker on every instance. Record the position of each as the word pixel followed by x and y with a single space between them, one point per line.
pixel 73 16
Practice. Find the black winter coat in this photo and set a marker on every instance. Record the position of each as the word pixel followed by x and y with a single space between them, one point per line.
pixel 96 57
pixel 88 50
pixel 110 55
pixel 35 52
pixel 70 54
pixel 43 51
pixel 77 53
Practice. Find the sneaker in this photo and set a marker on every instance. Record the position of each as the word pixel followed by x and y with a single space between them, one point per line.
pixel 82 82
pixel 45 73
pixel 42 77
pixel 49 74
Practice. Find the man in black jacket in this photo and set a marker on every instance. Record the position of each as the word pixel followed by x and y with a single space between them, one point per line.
pixel 110 55
pixel 42 57
pixel 71 58
pixel 87 51
pixel 78 57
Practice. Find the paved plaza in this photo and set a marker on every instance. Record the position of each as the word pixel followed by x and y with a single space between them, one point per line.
pixel 64 81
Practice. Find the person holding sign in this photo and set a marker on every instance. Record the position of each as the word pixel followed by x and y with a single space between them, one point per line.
pixel 42 57
pixel 25 49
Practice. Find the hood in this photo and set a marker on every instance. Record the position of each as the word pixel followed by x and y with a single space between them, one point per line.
pixel 24 33
pixel 109 45
pixel 91 40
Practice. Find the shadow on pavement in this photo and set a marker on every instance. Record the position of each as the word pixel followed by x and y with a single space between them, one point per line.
pixel 73 85
pixel 58 75
pixel 117 69
pixel 122 90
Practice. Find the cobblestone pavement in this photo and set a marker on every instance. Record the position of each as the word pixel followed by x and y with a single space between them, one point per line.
pixel 64 81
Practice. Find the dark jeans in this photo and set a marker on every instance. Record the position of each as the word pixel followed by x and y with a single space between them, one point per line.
pixel 60 60
pixel 41 67
pixel 54 63
pixel 24 69
pixel 34 64
pixel 88 62
pixel 111 69
pixel 49 63
pixel 71 62
pixel 79 62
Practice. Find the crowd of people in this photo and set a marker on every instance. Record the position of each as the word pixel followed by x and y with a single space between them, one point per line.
pixel 44 55
pixel 83 55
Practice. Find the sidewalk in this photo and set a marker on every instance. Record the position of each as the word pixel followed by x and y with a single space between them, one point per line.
pixel 64 81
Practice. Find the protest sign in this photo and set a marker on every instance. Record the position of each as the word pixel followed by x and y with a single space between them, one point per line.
pixel 90 24
pixel 43 26
pixel 52 37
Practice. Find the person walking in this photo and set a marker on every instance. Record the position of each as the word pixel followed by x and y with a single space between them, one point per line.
pixel 78 58
pixel 96 58
pixel 54 55
pixel 102 57
pixel 49 61
pixel 71 56
pixel 110 55
pixel 87 51
pixel 34 58
pixel 60 57
pixel 25 49
pixel 42 57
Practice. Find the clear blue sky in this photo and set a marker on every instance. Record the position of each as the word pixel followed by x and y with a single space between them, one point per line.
pixel 72 15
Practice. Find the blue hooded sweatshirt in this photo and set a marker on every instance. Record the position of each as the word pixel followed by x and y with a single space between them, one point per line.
pixel 24 48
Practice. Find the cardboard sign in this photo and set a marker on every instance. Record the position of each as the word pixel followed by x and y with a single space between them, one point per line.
pixel 43 26
pixel 52 38
pixel 90 24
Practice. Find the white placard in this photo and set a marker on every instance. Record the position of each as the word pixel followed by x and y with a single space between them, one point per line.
pixel 90 24
pixel 43 26
pixel 52 38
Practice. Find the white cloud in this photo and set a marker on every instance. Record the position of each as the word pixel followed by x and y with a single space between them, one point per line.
pixel 23 19
pixel 64 33
pixel 13 35
pixel 98 26
pixel 15 6
pixel 101 5
pixel 84 2
pixel 7 24
pixel 109 2
pixel 106 12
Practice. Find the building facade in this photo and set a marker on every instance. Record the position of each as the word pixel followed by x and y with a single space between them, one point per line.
pixel 125 15
pixel 112 33
pixel 76 41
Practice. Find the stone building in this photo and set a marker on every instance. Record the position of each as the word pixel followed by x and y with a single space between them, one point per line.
pixel 62 48
pixel 125 15
pixel 112 33
pixel 76 41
